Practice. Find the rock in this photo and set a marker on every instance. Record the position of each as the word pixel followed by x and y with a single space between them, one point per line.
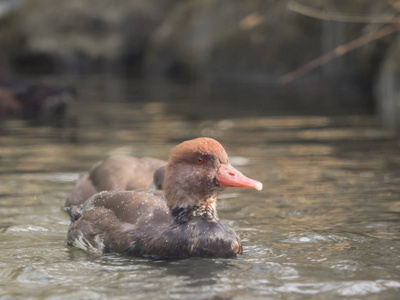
pixel 79 33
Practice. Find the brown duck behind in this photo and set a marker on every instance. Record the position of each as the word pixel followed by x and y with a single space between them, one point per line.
pixel 118 173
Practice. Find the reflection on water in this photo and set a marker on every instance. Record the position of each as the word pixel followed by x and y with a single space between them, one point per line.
pixel 326 223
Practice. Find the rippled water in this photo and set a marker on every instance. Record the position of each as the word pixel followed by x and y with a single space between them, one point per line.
pixel 326 224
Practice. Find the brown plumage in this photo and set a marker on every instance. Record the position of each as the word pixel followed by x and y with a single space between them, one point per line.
pixel 33 100
pixel 180 221
pixel 118 173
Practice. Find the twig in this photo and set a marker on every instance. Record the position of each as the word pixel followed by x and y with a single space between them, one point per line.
pixel 329 16
pixel 338 51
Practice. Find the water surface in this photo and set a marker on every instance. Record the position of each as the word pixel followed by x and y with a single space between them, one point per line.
pixel 326 224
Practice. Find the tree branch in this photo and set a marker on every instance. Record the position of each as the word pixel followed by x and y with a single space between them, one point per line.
pixel 329 16
pixel 338 51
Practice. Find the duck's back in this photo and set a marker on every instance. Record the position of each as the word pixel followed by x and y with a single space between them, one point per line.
pixel 113 174
pixel 124 173
pixel 134 207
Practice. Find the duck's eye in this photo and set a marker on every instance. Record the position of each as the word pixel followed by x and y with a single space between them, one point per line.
pixel 200 161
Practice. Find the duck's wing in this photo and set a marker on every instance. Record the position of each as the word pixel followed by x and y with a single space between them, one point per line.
pixel 135 207
pixel 111 221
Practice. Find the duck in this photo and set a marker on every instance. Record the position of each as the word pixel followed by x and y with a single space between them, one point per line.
pixel 179 221
pixel 28 100
pixel 119 172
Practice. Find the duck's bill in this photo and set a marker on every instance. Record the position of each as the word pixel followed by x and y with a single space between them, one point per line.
pixel 228 176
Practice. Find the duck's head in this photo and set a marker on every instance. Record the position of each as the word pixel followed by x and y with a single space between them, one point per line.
pixel 197 171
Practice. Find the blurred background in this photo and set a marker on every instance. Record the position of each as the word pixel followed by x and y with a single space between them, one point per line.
pixel 304 95
pixel 264 57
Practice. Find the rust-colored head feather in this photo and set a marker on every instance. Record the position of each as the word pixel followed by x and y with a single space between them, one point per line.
pixel 201 146
pixel 191 171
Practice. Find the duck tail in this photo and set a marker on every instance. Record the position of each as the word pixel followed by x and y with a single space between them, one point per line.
pixel 74 212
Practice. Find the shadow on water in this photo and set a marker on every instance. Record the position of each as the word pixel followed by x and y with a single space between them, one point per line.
pixel 203 101
pixel 208 101
pixel 194 269
pixel 189 276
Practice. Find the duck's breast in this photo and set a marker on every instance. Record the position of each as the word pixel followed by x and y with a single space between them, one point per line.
pixel 197 238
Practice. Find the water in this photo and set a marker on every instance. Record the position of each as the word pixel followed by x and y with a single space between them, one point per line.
pixel 326 224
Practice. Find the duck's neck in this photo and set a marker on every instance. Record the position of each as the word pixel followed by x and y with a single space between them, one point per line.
pixel 206 211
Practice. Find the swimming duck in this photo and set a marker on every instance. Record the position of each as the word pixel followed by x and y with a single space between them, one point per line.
pixel 180 221
pixel 118 173
pixel 34 100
